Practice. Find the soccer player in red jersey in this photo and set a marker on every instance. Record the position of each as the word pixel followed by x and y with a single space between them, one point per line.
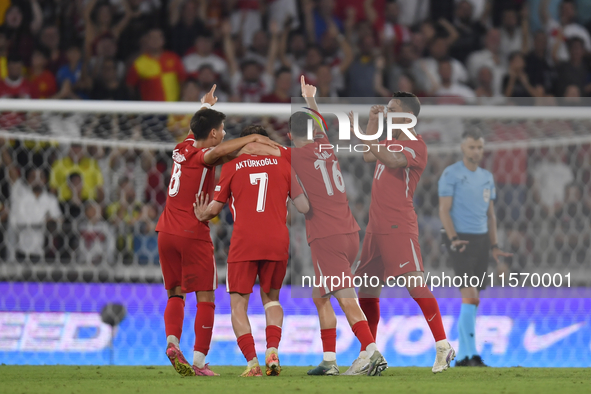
pixel 257 188
pixel 333 236
pixel 184 243
pixel 391 245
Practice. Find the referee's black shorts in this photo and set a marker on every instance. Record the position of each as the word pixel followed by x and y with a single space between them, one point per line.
pixel 473 261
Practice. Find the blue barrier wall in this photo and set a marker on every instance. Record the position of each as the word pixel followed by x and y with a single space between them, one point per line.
pixel 48 323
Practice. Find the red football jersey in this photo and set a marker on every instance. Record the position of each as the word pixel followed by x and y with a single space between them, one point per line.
pixel 392 191
pixel 258 188
pixel 190 176
pixel 320 175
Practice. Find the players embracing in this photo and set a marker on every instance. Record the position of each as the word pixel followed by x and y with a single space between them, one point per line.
pixel 184 243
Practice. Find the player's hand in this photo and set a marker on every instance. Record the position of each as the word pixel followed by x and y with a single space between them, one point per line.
pixel 496 253
pixel 458 245
pixel 200 205
pixel 209 98
pixel 307 90
pixel 375 110
pixel 352 122
pixel 266 140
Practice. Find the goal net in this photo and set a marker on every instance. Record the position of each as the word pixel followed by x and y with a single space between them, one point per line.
pixel 82 185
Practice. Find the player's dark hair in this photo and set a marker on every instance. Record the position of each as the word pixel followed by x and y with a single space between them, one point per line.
pixel 248 63
pixel 298 124
pixel 254 129
pixel 475 134
pixel 408 101
pixel 204 121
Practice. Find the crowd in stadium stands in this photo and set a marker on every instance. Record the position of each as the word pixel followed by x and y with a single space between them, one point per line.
pixel 103 202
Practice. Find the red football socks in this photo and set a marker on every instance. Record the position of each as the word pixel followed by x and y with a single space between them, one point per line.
pixel 363 333
pixel 174 313
pixel 329 340
pixel 430 308
pixel 273 336
pixel 246 345
pixel 204 326
pixel 371 308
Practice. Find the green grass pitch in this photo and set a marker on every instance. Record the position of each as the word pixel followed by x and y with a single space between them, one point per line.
pixel 129 380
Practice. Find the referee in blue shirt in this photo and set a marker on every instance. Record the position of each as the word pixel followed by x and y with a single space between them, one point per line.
pixel 466 208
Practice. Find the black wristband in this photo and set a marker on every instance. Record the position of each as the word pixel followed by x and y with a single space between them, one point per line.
pixel 455 238
pixel 495 246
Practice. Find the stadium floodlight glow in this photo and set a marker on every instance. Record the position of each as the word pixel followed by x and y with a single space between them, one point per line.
pixel 345 125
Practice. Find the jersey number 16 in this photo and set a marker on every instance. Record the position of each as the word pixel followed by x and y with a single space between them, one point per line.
pixel 336 176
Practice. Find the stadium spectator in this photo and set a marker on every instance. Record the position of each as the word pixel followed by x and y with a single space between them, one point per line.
pixel 42 80
pixel 31 210
pixel 186 21
pixel 202 54
pixel 145 15
pixel 246 19
pixel 550 176
pixel 438 50
pixel 319 18
pixel 449 88
pixel 537 68
pixel 107 85
pixel 122 215
pixel 145 239
pixel 470 32
pixel 484 88
pixel 8 176
pixel 106 49
pixel 20 31
pixel 97 242
pixel 406 63
pixel 296 50
pixel 71 76
pixel 3 54
pixel 250 83
pixel 516 83
pixel 15 85
pixel 157 73
pixel 77 161
pixel 206 78
pixel 360 75
pixel 575 70
pixel 412 12
pixel 491 57
pixel 98 21
pixel 179 124
pixel 562 30
pixel 514 37
pixel 49 39
pixel 394 33
pixel 282 88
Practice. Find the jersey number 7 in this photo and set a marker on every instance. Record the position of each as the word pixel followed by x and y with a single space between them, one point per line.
pixel 260 178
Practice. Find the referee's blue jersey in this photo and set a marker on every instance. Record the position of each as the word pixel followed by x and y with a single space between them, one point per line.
pixel 471 192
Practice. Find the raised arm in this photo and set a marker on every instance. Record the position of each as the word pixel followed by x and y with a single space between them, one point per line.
pixel 174 12
pixel 229 48
pixel 525 29
pixel 308 11
pixel 543 12
pixel 273 48
pixel 119 27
